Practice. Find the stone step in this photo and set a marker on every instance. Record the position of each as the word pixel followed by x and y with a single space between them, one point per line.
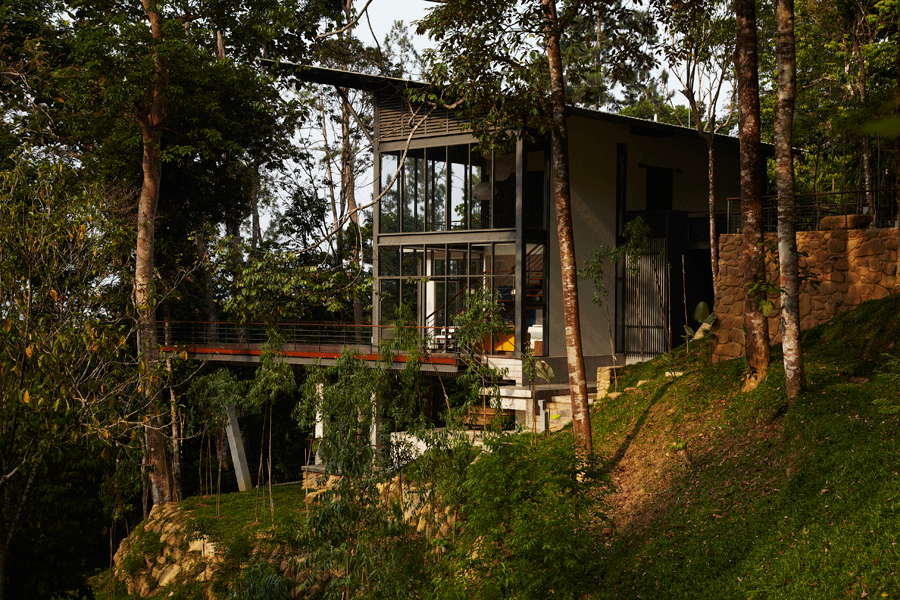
pixel 560 407
pixel 559 413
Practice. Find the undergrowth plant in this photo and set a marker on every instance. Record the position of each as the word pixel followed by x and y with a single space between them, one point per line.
pixel 530 517
pixel 260 582
pixel 356 544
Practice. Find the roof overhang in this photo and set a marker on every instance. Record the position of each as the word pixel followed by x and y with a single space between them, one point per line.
pixel 382 86
pixel 345 79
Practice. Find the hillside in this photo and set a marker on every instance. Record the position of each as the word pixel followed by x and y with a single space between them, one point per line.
pixel 723 494
pixel 717 493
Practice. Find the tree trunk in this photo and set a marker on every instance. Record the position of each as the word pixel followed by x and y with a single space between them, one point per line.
pixel 150 124
pixel 559 152
pixel 174 415
pixel 865 149
pixel 255 192
pixel 348 183
pixel 795 378
pixel 713 234
pixel 897 169
pixel 746 66
pixel 337 244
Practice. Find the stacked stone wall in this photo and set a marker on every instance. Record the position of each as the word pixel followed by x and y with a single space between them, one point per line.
pixel 850 266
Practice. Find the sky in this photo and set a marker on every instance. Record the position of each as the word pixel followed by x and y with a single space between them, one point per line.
pixel 383 13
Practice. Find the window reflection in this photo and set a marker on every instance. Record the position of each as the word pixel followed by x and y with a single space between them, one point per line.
pixel 390 200
pixel 450 188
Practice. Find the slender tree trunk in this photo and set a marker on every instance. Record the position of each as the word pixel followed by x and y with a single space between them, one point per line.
pixel 150 124
pixel 337 244
pixel 795 378
pixel 713 234
pixel 174 415
pixel 746 66
pixel 220 457
pixel 255 192
pixel 348 183
pixel 897 164
pixel 581 418
pixel 865 146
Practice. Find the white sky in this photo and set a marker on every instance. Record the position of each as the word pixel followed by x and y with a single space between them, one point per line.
pixel 383 13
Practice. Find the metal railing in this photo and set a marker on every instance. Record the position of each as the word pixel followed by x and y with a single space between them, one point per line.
pixel 326 338
pixel 812 208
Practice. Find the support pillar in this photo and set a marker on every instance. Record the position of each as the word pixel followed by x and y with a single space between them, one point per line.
pixel 375 430
pixel 319 431
pixel 236 444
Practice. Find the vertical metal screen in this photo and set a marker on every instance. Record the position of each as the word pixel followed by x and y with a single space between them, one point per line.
pixel 646 304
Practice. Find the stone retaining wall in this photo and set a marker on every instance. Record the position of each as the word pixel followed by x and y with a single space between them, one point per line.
pixel 851 265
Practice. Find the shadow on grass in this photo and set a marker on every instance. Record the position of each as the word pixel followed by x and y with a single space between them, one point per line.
pixel 803 507
pixel 613 461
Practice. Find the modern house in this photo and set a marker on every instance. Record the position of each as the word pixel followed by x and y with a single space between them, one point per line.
pixel 452 218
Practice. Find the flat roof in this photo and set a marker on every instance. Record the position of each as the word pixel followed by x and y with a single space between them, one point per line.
pixel 348 79
pixel 381 84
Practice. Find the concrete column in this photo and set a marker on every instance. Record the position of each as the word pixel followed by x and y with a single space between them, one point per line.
pixel 375 431
pixel 236 443
pixel 320 425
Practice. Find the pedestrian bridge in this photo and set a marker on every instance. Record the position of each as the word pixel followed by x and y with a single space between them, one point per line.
pixel 304 343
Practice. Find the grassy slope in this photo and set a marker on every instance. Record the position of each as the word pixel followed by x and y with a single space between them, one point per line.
pixel 719 494
pixel 761 502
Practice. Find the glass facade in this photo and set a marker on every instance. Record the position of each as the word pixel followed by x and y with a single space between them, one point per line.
pixel 447 188
pixel 455 189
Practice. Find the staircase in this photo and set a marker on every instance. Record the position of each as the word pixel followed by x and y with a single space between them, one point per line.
pixel 559 412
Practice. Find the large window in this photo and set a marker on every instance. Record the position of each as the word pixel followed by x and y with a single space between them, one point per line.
pixel 447 188
pixel 434 280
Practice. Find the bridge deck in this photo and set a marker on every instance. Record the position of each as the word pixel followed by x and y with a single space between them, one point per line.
pixel 304 343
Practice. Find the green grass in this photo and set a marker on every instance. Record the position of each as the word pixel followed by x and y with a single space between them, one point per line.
pixel 722 494
pixel 773 503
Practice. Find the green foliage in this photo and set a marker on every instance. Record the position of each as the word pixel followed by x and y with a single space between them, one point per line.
pixel 344 397
pixel 273 378
pixel 66 387
pixel 479 322
pixel 492 54
pixel 703 316
pixel 360 546
pixel 260 582
pixel 403 395
pixel 210 395
pixel 766 290
pixel 283 285
pixel 476 326
pixel 356 543
pixel 529 512
pixel 635 244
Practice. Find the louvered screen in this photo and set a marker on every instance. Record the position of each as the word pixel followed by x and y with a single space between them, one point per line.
pixel 398 117
pixel 646 304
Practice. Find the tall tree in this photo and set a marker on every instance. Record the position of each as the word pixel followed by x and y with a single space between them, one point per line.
pixel 746 68
pixel 559 157
pixel 795 377
pixel 487 58
pixel 699 49
pixel 150 116
pixel 151 73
